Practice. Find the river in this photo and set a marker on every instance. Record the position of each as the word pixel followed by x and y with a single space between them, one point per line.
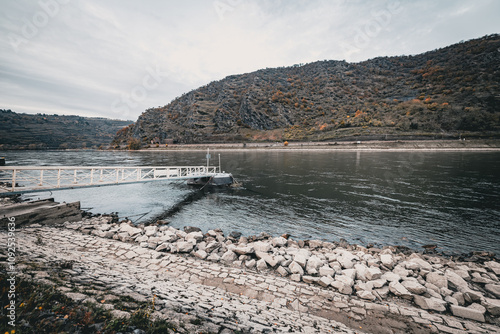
pixel 410 198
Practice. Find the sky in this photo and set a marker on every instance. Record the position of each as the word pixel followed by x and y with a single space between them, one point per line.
pixel 117 58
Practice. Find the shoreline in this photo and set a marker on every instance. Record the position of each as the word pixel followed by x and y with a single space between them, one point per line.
pixel 375 146
pixel 439 145
pixel 336 285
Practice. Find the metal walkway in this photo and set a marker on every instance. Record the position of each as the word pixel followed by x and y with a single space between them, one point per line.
pixel 35 178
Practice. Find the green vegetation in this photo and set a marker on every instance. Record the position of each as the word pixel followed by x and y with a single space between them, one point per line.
pixel 450 92
pixel 42 308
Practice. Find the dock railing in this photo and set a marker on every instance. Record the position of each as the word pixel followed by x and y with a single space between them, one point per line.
pixel 34 178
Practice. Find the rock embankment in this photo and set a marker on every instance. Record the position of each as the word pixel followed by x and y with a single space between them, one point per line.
pixel 260 284
pixel 355 278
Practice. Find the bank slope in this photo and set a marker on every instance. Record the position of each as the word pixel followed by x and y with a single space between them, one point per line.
pixel 447 92
pixel 41 131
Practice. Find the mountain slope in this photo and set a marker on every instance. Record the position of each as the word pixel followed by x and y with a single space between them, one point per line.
pixel 40 131
pixel 450 91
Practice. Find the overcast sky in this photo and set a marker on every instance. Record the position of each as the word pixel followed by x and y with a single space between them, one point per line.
pixel 116 58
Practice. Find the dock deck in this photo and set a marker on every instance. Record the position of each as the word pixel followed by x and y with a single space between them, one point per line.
pixel 23 179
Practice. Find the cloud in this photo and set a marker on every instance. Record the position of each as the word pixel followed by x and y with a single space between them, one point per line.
pixel 93 58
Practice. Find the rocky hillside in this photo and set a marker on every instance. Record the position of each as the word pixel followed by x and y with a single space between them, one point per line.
pixel 447 92
pixel 40 131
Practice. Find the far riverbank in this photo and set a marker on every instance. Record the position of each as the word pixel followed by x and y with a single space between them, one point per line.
pixel 397 145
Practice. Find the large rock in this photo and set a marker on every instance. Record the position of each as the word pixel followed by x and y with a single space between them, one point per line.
pixel 492 305
pixel 378 283
pixel 164 246
pixel 387 260
pixel 345 279
pixel 414 287
pixel 313 263
pixel 133 232
pixel 180 234
pixel 373 273
pixel 401 271
pixel 261 246
pixel 391 277
pixel 459 297
pixel 470 312
pixel 310 279
pixel 142 238
pixel 494 289
pixel 201 254
pixel 417 263
pixel 301 259
pixel 361 270
pixel 169 236
pixel 244 250
pixel 493 266
pixel 455 282
pixel 279 242
pixel 296 268
pixel 351 273
pixel 472 296
pixel 313 244
pixel 343 284
pixel 326 271
pixel 282 271
pixel 229 256
pixel 184 246
pixel 325 281
pixel 437 279
pixel 150 230
pixel 214 257
pixel 365 294
pixel 346 260
pixel 211 246
pixel 123 236
pixel 432 303
pixel 261 265
pixel 250 263
pixel 213 233
pixel 399 290
pixel 382 293
pixel 194 236
pixel 270 259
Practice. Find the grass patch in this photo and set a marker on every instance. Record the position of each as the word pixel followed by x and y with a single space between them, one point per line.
pixel 41 308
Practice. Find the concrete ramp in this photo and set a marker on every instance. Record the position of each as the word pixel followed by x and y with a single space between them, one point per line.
pixel 44 212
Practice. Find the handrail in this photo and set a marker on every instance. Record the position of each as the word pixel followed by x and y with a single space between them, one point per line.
pixel 20 179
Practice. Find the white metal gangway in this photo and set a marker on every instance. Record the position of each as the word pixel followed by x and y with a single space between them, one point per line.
pixel 23 179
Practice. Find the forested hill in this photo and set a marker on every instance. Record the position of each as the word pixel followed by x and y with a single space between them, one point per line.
pixel 40 131
pixel 451 91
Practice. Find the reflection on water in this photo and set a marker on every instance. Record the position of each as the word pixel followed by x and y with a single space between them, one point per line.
pixel 404 198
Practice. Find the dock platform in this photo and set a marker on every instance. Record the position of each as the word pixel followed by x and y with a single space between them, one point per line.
pixel 23 179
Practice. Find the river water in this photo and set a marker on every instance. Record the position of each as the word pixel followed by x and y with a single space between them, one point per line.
pixel 411 198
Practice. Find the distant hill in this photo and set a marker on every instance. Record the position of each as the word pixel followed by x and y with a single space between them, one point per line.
pixel 40 131
pixel 447 92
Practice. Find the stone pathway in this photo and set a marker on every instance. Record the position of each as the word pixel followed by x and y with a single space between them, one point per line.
pixel 226 297
pixel 237 299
